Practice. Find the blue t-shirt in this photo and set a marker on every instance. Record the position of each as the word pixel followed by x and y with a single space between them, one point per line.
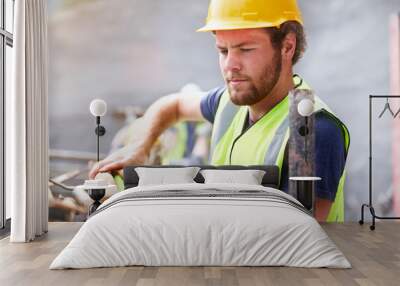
pixel 330 156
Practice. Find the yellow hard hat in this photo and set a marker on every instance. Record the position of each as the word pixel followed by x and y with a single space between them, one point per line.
pixel 246 14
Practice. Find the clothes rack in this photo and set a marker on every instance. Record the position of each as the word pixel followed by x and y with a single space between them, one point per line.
pixel 370 203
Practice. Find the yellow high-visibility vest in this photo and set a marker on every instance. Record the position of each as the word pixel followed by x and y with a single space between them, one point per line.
pixel 270 134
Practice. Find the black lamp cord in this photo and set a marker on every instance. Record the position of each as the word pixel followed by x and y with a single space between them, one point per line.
pixel 305 139
pixel 98 137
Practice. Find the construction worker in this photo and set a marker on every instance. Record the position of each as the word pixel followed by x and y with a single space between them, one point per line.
pixel 259 42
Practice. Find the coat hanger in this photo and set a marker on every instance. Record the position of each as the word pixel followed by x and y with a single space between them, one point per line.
pixel 387 107
pixel 397 113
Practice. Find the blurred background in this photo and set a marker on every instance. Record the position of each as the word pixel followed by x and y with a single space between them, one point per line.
pixel 132 52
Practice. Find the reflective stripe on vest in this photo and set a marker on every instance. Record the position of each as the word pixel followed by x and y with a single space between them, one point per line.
pixel 270 134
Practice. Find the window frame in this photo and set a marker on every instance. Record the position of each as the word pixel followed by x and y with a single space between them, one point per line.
pixel 6 39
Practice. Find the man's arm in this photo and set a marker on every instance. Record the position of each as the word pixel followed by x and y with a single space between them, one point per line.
pixel 322 208
pixel 162 114
pixel 330 163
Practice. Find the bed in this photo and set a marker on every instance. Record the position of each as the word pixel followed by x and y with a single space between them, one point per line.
pixel 201 223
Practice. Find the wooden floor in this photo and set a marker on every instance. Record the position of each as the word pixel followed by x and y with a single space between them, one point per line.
pixel 374 255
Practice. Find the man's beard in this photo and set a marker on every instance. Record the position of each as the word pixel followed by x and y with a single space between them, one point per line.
pixel 253 94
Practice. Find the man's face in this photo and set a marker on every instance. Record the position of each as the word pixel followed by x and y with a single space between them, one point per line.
pixel 250 65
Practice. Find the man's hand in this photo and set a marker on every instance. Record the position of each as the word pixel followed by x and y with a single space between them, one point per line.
pixel 129 155
pixel 322 209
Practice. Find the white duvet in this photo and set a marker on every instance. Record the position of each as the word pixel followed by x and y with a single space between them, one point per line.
pixel 207 230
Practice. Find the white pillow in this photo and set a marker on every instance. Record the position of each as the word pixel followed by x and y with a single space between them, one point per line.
pixel 249 177
pixel 162 176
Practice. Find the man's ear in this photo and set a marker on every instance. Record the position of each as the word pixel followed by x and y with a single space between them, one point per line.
pixel 288 46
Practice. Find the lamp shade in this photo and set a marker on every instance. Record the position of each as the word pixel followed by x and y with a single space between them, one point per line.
pixel 98 107
pixel 305 107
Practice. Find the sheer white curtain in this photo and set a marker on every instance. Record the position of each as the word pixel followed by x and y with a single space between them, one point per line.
pixel 27 123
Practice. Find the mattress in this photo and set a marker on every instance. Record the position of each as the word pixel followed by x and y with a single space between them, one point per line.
pixel 201 225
